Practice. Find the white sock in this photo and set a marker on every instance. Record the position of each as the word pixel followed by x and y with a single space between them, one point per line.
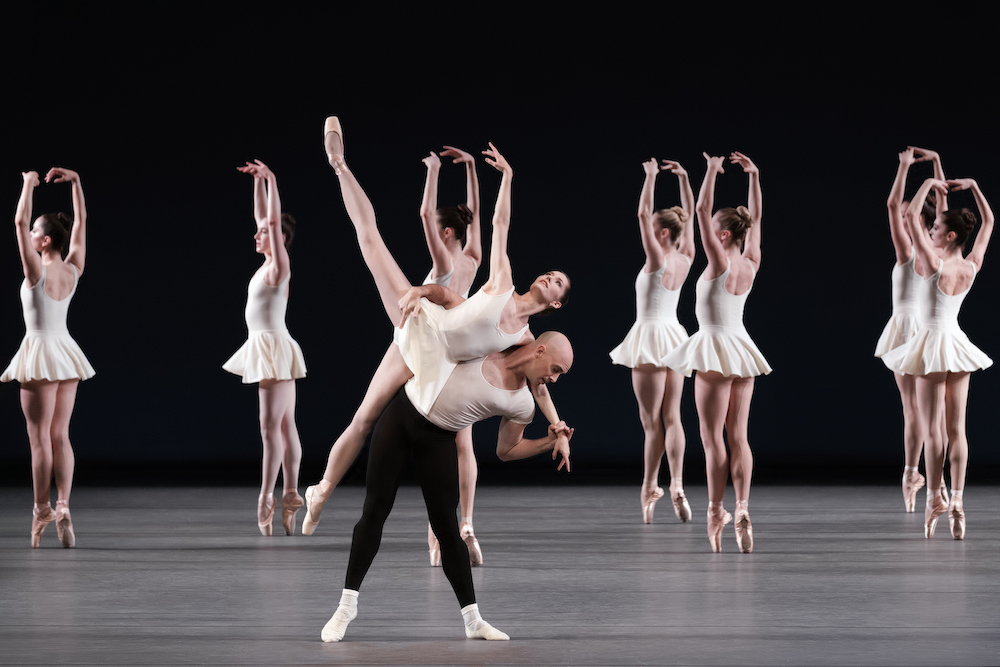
pixel 477 628
pixel 335 628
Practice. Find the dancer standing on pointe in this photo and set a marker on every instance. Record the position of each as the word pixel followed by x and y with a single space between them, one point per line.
pixel 509 312
pixel 940 355
pixel 668 240
pixel 722 352
pixel 49 364
pixel 905 319
pixel 424 416
pixel 270 356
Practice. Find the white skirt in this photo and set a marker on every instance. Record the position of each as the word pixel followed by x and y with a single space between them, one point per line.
pixel 46 355
pixel 725 350
pixel 648 343
pixel 268 355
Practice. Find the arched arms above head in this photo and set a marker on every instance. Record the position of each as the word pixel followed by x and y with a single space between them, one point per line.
pixel 925 253
pixel 473 233
pixel 714 250
pixel 280 267
pixel 755 203
pixel 500 279
pixel 440 257
pixel 686 243
pixel 77 254
pixel 647 219
pixel 894 205
pixel 31 263
pixel 978 252
pixel 925 155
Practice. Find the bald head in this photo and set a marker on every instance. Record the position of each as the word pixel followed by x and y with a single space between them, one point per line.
pixel 557 347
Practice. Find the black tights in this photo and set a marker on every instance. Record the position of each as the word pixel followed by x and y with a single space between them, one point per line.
pixel 400 429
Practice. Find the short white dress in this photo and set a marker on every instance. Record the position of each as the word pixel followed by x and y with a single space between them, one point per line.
pixel 905 319
pixel 47 351
pixel 721 343
pixel 270 353
pixel 939 344
pixel 656 331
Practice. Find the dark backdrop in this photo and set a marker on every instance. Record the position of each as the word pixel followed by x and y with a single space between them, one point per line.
pixel 157 108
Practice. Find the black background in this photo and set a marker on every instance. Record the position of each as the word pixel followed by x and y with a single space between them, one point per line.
pixel 157 107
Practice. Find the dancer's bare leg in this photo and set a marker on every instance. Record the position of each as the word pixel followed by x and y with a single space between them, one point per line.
pixel 38 402
pixel 63 460
pixel 468 473
pixel 712 397
pixel 956 403
pixel 741 458
pixel 931 392
pixel 913 443
pixel 674 442
pixel 276 398
pixel 292 456
pixel 648 384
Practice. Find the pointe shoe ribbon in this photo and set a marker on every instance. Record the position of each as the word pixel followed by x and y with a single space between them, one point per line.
pixel 744 531
pixel 956 518
pixel 265 524
pixel 681 507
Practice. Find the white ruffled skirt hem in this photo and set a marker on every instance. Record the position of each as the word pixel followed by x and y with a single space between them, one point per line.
pixel 726 351
pixel 936 351
pixel 648 343
pixel 48 356
pixel 268 355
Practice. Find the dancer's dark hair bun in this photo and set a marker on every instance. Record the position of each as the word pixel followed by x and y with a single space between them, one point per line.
pixel 288 228
pixel 457 217
pixel 961 221
pixel 57 226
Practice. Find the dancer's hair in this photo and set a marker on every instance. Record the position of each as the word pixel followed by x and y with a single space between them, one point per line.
pixel 57 227
pixel 288 228
pixel 961 221
pixel 457 217
pixel 672 219
pixel 736 221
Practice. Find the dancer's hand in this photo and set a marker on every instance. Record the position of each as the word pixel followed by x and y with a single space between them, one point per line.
pixel 748 166
pixel 561 445
pixel 409 304
pixel 257 169
pixel 715 163
pixel 957 184
pixel 673 167
pixel 458 154
pixel 432 161
pixel 61 175
pixel 31 178
pixel 906 157
pixel 499 162
pixel 650 168
pixel 923 155
pixel 939 186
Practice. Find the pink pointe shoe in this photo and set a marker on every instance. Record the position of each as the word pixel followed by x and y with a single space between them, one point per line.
pixel 718 517
pixel 743 527
pixel 433 547
pixel 932 512
pixel 291 503
pixel 475 553
pixel 316 497
pixel 681 507
pixel 64 525
pixel 39 519
pixel 912 482
pixel 648 500
pixel 956 518
pixel 333 142
pixel 267 509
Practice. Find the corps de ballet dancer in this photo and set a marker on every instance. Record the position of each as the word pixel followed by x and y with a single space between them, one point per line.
pixel 721 351
pixel 49 364
pixel 270 357
pixel 497 297
pixel 424 416
pixel 668 241
pixel 905 318
pixel 940 355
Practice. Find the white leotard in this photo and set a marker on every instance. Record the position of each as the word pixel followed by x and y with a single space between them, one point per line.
pixel 656 331
pixel 435 340
pixel 721 343
pixel 269 353
pixel 905 319
pixel 940 344
pixel 445 281
pixel 47 351
pixel 466 398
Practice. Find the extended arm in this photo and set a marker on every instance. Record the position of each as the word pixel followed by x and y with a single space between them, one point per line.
pixel 985 212
pixel 259 199
pixel 440 256
pixel 686 244
pixel 544 401
pixel 474 233
pixel 77 254
pixel 512 445
pixel 500 279
pixel 924 155
pixel 647 225
pixel 755 203
pixel 894 204
pixel 714 250
pixel 30 261
pixel 409 303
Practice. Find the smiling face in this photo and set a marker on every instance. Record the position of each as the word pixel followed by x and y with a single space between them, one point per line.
pixel 551 288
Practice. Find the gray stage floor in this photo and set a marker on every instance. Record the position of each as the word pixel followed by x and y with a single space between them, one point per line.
pixel 840 575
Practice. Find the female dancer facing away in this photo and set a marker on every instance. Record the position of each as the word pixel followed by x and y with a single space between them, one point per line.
pixel 270 357
pixel 726 359
pixel 509 312
pixel 49 364
pixel 940 355
pixel 904 322
pixel 669 245
pixel 454 239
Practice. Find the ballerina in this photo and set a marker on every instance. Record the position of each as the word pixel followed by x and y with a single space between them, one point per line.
pixel 270 356
pixel 668 241
pixel 940 355
pixel 49 364
pixel 905 320
pixel 726 358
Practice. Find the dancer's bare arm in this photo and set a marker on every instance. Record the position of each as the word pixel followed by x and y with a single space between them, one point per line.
pixel 755 203
pixel 686 243
pixel 440 257
pixel 985 212
pixel 409 303
pixel 925 252
pixel 925 155
pixel 500 279
pixel 512 445
pixel 280 264
pixel 714 250
pixel 77 255
pixel 473 234
pixel 30 261
pixel 894 205
pixel 647 220
pixel 544 402
pixel 259 199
